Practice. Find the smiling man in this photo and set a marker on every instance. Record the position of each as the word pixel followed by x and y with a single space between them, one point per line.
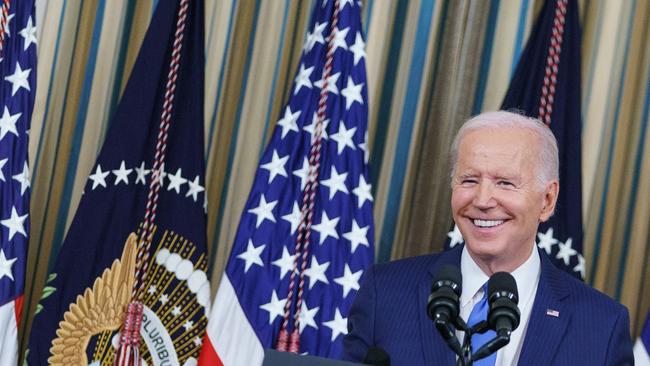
pixel 504 182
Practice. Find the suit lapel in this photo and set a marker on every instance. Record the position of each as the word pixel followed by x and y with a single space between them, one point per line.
pixel 545 330
pixel 436 351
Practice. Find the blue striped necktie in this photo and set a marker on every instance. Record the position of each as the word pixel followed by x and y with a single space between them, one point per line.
pixel 479 313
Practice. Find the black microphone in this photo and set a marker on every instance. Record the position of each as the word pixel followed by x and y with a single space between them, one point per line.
pixel 503 298
pixel 443 305
pixel 376 357
pixel 503 315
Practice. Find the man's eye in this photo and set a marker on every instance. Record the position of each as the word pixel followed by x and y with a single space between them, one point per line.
pixel 506 183
pixel 468 181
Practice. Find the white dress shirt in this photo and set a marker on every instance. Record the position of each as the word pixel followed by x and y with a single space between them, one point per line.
pixel 527 278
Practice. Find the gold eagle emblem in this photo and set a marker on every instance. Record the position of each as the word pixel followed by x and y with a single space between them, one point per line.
pixel 99 309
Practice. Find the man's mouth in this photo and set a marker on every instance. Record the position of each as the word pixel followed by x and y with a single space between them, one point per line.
pixel 487 223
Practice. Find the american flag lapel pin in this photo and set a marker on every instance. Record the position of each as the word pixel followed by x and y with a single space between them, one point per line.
pixel 553 313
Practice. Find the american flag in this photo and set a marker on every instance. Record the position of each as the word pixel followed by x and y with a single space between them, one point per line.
pixel 260 291
pixel 18 78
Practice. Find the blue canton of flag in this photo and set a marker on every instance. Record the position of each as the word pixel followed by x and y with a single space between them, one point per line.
pixel 257 277
pixel 546 85
pixel 17 92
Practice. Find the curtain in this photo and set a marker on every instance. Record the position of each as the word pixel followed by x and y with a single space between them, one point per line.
pixel 431 65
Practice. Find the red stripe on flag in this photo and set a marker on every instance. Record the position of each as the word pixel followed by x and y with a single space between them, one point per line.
pixel 208 356
pixel 19 309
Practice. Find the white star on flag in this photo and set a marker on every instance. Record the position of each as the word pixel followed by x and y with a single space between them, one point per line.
pixel 176 311
pixel 3 162
pixel 310 128
pixel 252 255
pixel 342 4
pixel 188 325
pixel 15 223
pixel 352 93
pixel 343 138
pixel 159 175
pixel 339 39
pixel 19 79
pixel 276 166
pixel 349 280
pixel 364 147
pixel 275 307
pixel 29 34
pixel 293 218
pixel 288 122
pixel 141 174
pixel 23 179
pixel 263 211
pixel 358 48
pixel 362 191
pixel 302 79
pixel 195 188
pixel 285 263
pixel 338 325
pixel 336 182
pixel 99 178
pixel 357 236
pixel 331 84
pixel 566 251
pixel 5 266
pixel 8 123
pixel 315 37
pixel 122 174
pixel 580 267
pixel 316 272
pixel 306 316
pixel 326 228
pixel 7 28
pixel 176 181
pixel 455 237
pixel 302 173
pixel 546 240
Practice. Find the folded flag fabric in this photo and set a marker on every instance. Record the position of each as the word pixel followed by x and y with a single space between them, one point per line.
pixel 305 236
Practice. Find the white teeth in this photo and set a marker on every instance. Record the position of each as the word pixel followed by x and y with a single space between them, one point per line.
pixel 487 223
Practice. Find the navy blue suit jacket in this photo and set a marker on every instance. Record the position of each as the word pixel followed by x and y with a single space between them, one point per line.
pixel 390 312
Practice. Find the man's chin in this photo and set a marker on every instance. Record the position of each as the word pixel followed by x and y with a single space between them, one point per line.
pixel 485 251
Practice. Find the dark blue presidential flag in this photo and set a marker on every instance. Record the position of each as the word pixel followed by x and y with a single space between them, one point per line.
pixel 305 236
pixel 150 169
pixel 546 85
pixel 17 91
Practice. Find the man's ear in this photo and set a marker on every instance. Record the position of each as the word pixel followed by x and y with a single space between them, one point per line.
pixel 550 199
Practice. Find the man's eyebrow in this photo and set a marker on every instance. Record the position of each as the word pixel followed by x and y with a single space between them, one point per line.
pixel 467 174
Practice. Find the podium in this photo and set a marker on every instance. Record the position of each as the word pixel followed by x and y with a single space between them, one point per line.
pixel 276 358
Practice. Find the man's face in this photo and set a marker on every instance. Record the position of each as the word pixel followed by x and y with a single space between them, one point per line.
pixel 497 200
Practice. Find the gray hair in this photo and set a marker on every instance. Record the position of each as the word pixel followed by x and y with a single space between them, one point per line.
pixel 548 161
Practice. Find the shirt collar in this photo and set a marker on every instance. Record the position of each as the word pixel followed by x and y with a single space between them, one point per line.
pixel 526 276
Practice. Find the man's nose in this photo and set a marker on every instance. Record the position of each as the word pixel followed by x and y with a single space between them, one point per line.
pixel 484 198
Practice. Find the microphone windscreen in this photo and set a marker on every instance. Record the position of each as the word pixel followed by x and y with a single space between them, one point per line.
pixel 449 273
pixel 376 357
pixel 503 282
